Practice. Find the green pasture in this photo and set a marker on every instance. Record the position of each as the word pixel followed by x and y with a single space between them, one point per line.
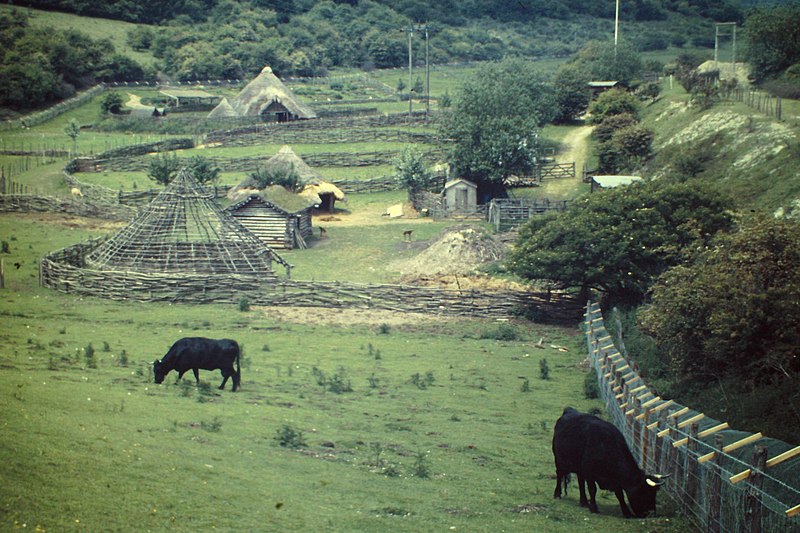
pixel 114 30
pixel 391 425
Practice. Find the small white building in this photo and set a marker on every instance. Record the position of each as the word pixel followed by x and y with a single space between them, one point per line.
pixel 460 195
pixel 609 182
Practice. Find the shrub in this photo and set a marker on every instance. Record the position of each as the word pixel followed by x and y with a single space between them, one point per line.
pixel 123 358
pixel 88 355
pixel 421 468
pixel 213 426
pixel 503 332
pixel 289 437
pixel 384 329
pixel 244 305
pixel 544 369
pixel 526 385
pixel 590 388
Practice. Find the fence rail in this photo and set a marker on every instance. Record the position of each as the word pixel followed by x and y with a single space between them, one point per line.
pixel 724 480
pixel 64 270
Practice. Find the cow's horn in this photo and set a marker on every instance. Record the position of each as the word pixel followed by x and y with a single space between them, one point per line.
pixel 655 483
pixel 660 476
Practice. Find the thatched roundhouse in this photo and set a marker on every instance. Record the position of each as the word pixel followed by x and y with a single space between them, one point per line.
pixel 184 230
pixel 264 96
pixel 318 191
pixel 279 218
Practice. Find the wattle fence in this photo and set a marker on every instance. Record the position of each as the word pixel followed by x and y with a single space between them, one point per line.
pixel 722 479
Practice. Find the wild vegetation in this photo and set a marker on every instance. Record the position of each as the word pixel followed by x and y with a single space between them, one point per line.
pixel 401 422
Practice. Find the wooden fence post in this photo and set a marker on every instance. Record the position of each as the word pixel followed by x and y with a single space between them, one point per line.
pixel 753 504
pixel 692 471
pixel 713 524
pixel 662 422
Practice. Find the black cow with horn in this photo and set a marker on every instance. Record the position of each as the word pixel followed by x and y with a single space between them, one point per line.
pixel 596 451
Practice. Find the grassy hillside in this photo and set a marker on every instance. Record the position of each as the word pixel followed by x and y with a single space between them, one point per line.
pixel 751 155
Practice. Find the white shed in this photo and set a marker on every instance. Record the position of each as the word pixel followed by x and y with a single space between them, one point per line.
pixel 460 195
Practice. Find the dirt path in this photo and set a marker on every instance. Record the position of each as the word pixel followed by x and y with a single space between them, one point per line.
pixel 135 102
pixel 578 149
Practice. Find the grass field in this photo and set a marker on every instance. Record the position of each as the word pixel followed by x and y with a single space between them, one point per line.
pixel 447 426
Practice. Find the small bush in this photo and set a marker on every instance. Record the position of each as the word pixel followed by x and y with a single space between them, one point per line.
pixel 244 305
pixel 503 332
pixel 289 437
pixel 5 247
pixel 384 329
pixel 88 356
pixel 421 468
pixel 590 388
pixel 544 369
pixel 106 347
pixel 526 385
pixel 204 392
pixel 186 388
pixel 123 358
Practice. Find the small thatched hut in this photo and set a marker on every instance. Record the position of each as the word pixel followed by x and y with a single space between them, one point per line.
pixel 279 218
pixel 184 230
pixel 318 191
pixel 264 96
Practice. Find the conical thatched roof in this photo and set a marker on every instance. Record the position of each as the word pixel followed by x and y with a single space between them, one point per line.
pixel 287 159
pixel 258 95
pixel 184 229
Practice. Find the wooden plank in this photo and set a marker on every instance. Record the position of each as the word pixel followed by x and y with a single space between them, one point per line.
pixel 679 412
pixel 742 442
pixel 704 433
pixel 794 511
pixel 778 459
pixel 688 421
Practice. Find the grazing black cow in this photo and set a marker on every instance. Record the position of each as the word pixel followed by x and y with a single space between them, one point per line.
pixel 597 452
pixel 194 353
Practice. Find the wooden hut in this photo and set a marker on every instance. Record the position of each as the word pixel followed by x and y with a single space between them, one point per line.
pixel 279 218
pixel 460 195
pixel 265 96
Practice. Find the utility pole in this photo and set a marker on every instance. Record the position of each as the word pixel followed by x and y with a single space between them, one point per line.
pixel 427 75
pixel 410 80
pixel 616 30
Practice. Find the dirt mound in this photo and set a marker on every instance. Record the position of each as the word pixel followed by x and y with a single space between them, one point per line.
pixel 458 250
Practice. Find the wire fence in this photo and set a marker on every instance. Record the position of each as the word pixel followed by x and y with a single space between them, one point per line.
pixel 724 480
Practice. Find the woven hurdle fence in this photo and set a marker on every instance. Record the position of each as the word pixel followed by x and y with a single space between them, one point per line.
pixel 724 480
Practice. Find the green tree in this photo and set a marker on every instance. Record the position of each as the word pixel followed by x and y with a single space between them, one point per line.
pixel 603 62
pixel 571 86
pixel 112 103
pixel 613 102
pixel 773 39
pixel 634 143
pixel 494 122
pixel 203 170
pixel 734 310
pixel 283 175
pixel 73 131
pixel 411 171
pixel 162 168
pixel 617 241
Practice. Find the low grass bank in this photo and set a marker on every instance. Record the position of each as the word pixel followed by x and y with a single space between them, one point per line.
pixel 361 422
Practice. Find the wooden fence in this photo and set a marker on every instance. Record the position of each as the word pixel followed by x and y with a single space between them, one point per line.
pixel 28 203
pixel 507 213
pixel 544 171
pixel 723 480
pixel 64 270
pixel 771 106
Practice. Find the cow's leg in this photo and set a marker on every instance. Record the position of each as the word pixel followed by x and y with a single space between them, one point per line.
pixel 180 375
pixel 557 492
pixel 225 376
pixel 582 491
pixel 196 375
pixel 592 494
pixel 237 377
pixel 622 504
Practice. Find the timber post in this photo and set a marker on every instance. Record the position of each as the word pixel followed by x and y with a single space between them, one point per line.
pixel 753 504
pixel 715 491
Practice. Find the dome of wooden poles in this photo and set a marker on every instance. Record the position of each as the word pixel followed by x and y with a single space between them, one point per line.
pixel 184 229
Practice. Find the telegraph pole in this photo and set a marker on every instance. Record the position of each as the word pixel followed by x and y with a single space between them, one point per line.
pixel 410 80
pixel 616 30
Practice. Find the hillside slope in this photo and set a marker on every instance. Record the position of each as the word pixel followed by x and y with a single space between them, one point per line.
pixel 752 155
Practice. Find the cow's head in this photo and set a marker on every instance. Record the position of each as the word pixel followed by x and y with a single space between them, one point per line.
pixel 643 497
pixel 158 371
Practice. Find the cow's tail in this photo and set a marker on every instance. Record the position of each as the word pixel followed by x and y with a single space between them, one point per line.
pixel 238 377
